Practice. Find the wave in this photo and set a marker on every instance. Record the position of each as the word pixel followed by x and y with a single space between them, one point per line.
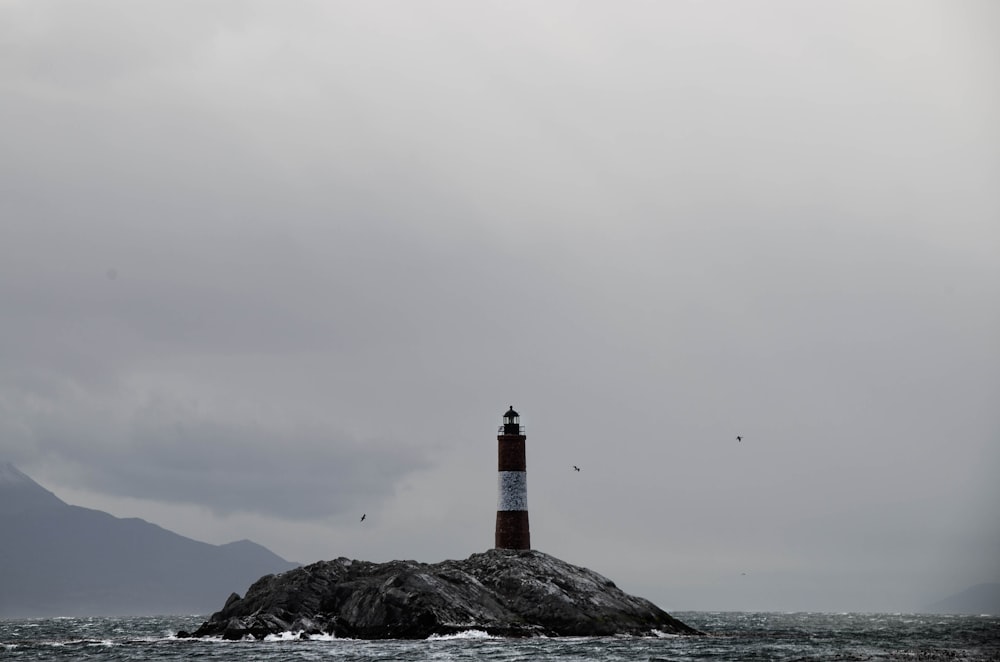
pixel 299 635
pixel 464 634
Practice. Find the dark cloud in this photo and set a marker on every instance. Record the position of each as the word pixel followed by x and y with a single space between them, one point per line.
pixel 168 452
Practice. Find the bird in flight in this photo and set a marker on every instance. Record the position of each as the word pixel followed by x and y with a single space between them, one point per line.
pixel 363 516
pixel 739 438
pixel 576 468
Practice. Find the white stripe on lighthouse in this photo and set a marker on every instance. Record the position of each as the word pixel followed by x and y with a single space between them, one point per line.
pixel 512 490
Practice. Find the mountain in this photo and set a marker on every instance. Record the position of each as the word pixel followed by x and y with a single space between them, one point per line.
pixel 63 560
pixel 978 599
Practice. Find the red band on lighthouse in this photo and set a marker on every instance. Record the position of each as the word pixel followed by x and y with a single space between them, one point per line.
pixel 512 486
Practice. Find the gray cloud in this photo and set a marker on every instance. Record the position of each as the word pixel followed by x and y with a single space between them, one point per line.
pixel 177 452
pixel 346 237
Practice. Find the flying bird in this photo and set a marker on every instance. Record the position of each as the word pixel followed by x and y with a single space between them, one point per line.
pixel 363 516
pixel 576 468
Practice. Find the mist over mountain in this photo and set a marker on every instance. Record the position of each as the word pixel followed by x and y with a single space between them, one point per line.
pixel 978 599
pixel 63 560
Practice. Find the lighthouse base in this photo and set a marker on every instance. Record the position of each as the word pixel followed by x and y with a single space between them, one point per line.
pixel 512 530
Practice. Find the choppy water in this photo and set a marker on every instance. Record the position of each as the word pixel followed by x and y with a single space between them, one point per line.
pixel 732 636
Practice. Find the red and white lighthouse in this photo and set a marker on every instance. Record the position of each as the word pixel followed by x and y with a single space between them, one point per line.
pixel 512 485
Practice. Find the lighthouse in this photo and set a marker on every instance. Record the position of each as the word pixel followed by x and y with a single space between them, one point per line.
pixel 512 485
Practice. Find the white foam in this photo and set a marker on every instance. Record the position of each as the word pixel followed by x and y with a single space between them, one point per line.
pixel 464 634
pixel 282 636
pixel 296 636
pixel 322 637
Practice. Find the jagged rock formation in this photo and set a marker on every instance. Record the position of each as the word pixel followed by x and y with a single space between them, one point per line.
pixel 515 593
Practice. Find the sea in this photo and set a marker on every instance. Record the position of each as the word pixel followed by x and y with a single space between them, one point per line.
pixel 730 636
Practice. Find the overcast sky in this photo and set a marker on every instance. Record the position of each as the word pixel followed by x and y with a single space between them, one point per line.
pixel 267 266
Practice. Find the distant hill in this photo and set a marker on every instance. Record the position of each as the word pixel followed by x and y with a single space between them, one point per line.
pixel 978 599
pixel 62 560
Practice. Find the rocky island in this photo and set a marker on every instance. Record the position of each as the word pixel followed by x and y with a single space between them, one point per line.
pixel 510 593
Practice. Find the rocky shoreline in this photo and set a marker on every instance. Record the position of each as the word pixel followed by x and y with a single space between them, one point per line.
pixel 510 593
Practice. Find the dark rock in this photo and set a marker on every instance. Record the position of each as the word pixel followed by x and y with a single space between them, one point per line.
pixel 504 592
pixel 233 598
